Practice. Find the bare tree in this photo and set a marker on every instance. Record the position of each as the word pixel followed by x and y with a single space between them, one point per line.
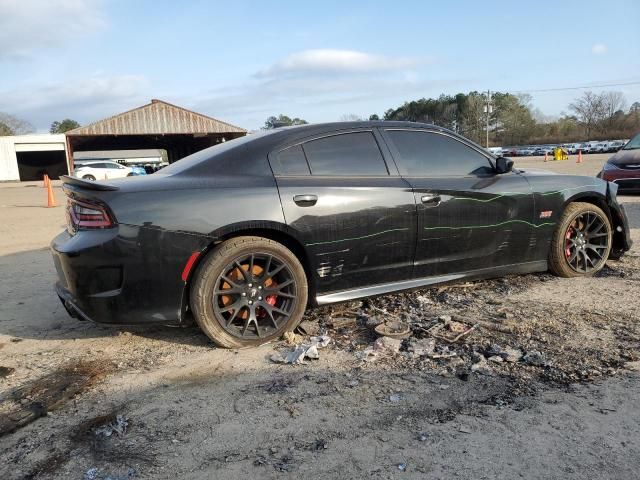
pixel 612 102
pixel 351 117
pixel 589 109
pixel 10 125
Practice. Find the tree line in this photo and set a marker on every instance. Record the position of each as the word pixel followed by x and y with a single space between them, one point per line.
pixel 512 118
pixel 12 125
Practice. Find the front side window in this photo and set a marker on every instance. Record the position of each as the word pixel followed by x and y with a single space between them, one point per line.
pixel 347 154
pixel 428 154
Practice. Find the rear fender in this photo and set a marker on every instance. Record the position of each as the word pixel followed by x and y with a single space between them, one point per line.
pixel 279 232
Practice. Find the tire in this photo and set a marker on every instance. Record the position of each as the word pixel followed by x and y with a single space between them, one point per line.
pixel 268 304
pixel 584 230
pixel 89 177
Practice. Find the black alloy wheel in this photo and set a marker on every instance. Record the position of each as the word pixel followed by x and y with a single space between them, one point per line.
pixel 582 241
pixel 587 242
pixel 254 295
pixel 248 291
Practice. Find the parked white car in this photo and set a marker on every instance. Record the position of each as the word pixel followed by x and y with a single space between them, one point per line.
pixel 585 147
pixel 101 170
pixel 600 147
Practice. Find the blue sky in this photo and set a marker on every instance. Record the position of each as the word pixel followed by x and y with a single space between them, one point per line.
pixel 243 61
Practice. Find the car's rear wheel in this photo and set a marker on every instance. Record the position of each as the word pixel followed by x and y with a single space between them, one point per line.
pixel 89 177
pixel 582 241
pixel 248 291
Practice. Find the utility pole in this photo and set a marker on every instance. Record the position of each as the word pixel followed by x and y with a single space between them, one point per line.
pixel 488 109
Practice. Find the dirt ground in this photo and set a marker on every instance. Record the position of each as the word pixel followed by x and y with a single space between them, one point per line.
pixel 543 381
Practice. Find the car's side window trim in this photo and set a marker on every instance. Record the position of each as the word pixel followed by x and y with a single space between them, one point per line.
pixel 397 157
pixel 385 157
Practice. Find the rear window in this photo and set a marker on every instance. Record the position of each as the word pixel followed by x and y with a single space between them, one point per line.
pixel 207 154
pixel 347 154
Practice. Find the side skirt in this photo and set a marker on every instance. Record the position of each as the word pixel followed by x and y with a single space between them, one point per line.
pixel 381 289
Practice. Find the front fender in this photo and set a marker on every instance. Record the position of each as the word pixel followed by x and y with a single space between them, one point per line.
pixel 621 230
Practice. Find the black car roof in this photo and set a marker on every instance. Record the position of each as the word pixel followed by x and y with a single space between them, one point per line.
pixel 273 138
pixel 253 147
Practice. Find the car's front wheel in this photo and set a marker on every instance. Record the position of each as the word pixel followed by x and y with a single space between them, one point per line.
pixel 248 291
pixel 582 241
pixel 89 177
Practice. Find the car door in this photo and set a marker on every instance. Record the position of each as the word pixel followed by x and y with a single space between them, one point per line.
pixel 114 170
pixel 97 170
pixel 355 217
pixel 469 216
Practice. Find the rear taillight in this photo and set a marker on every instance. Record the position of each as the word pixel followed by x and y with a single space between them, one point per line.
pixel 85 215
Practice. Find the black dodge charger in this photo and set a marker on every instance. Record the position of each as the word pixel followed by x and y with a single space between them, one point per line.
pixel 245 235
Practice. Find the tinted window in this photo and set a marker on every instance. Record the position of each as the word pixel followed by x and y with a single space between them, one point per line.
pixel 435 155
pixel 345 154
pixel 290 161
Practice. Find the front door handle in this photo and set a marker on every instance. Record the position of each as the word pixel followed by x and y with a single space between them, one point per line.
pixel 432 199
pixel 305 200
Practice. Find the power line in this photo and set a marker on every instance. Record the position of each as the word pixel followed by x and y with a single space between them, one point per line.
pixel 577 88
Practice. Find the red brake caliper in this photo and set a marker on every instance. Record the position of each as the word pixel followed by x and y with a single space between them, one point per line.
pixel 271 299
pixel 567 249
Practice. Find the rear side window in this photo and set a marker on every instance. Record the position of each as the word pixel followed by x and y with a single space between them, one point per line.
pixel 290 161
pixel 426 154
pixel 352 154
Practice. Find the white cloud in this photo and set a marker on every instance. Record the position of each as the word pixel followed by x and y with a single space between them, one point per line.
pixel 599 49
pixel 27 26
pixel 316 99
pixel 83 99
pixel 335 61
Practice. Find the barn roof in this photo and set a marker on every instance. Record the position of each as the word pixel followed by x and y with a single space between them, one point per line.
pixel 156 118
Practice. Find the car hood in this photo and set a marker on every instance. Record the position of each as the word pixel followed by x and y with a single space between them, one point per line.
pixel 626 158
pixel 535 171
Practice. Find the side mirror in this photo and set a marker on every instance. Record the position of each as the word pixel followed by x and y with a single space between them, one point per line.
pixel 504 165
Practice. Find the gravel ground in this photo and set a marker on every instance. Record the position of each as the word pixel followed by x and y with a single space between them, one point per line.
pixel 543 386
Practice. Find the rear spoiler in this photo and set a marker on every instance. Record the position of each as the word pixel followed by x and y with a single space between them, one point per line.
pixel 86 184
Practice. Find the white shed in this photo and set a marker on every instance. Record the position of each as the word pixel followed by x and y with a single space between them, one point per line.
pixel 29 157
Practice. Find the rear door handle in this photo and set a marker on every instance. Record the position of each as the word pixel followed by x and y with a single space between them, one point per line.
pixel 305 200
pixel 432 199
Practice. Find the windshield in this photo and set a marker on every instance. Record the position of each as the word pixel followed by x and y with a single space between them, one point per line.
pixel 633 144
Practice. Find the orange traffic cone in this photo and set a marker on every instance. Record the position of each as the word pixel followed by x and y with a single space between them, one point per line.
pixel 45 180
pixel 51 199
pixel 545 156
pixel 579 157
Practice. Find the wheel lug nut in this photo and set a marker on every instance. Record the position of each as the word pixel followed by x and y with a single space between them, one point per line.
pixel 259 287
pixel 244 294
pixel 250 285
pixel 250 302
pixel 259 298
